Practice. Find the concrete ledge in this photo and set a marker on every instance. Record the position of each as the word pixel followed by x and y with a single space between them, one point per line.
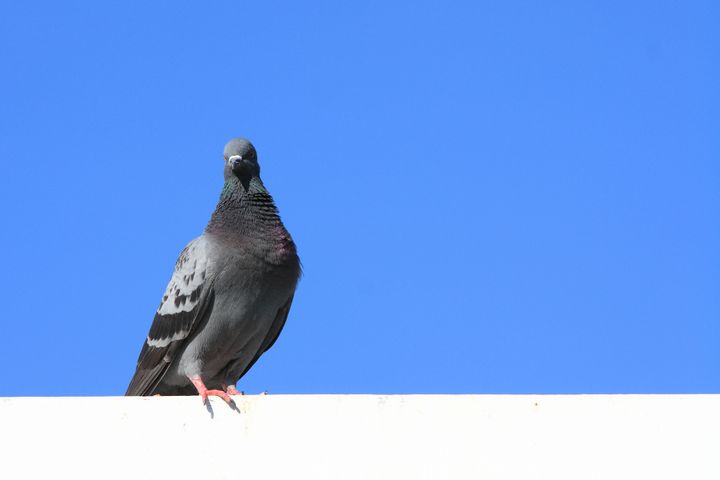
pixel 364 437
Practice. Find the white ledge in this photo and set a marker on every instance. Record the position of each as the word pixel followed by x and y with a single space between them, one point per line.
pixel 363 437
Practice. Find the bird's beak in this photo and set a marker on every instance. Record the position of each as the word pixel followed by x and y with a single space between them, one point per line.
pixel 234 161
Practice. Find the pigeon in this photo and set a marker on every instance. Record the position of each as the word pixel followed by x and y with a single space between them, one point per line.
pixel 229 296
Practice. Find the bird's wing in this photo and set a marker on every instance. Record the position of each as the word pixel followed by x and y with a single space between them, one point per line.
pixel 273 334
pixel 185 305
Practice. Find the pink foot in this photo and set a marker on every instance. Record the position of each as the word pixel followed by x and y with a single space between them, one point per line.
pixel 232 390
pixel 205 393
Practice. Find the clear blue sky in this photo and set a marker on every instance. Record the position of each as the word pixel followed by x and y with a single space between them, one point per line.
pixel 488 197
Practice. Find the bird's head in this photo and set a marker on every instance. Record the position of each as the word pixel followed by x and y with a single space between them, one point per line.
pixel 241 161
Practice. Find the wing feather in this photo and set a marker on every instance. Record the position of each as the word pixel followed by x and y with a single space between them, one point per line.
pixel 188 297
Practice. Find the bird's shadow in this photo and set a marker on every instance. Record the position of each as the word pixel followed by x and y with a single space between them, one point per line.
pixel 210 410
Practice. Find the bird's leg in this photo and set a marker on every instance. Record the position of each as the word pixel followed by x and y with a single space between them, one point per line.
pixel 204 392
pixel 232 390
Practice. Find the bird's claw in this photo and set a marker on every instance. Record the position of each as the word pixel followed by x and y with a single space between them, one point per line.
pixel 205 393
pixel 216 393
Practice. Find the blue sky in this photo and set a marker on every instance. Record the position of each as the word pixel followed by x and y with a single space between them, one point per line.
pixel 503 197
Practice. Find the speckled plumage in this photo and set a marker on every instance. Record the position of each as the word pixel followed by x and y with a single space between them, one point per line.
pixel 230 293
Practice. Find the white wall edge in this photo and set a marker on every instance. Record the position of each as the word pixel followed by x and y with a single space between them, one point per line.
pixel 363 437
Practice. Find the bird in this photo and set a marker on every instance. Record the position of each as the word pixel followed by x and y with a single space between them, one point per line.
pixel 229 296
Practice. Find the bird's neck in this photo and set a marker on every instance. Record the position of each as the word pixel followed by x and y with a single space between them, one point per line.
pixel 247 216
